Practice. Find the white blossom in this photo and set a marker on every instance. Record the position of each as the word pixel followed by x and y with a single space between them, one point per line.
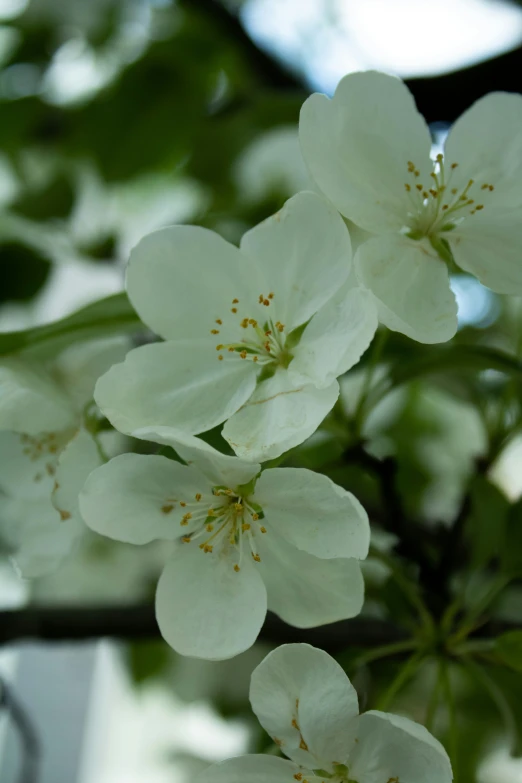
pixel 288 539
pixel 256 336
pixel 307 704
pixel 46 450
pixel 369 151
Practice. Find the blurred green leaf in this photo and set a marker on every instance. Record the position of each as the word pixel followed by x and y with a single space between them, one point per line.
pixel 509 649
pixel 486 522
pixel 147 660
pixel 512 551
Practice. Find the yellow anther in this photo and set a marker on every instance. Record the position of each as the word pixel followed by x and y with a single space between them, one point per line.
pixel 255 359
pixel 255 516
pixel 233 309
pixel 491 187
pixel 424 194
pixel 439 157
pixel 454 191
pixel 266 302
pixel 219 321
pixel 214 331
pixel 206 548
pixel 479 206
pixel 445 206
pixel 262 529
pixel 198 496
pixel 267 346
pixel 210 527
pixel 408 187
pixel 268 333
pixel 411 166
pixel 279 326
pixel 236 568
pixel 298 776
pixel 182 503
pixel 167 508
pixel 220 357
pixel 419 187
pixel 238 506
pixel 211 513
pixel 219 347
pixel 416 173
pixel 185 518
pixel 470 202
pixel 484 187
pixel 454 165
pixel 252 322
pixel 244 323
pixel 256 557
pixel 271 295
pixel 243 354
pixel 235 301
pixel 186 539
pixel 261 298
pixel 245 526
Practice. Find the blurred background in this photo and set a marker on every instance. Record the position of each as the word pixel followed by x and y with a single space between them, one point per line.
pixel 121 116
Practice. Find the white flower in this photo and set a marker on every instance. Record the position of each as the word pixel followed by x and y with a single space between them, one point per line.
pixel 290 539
pixel 45 450
pixel 369 151
pixel 305 701
pixel 233 321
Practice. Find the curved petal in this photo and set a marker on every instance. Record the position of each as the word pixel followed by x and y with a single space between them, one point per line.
pixel 336 337
pixel 219 469
pixel 389 747
pixel 358 147
pixel 312 513
pixel 279 415
pixel 30 401
pixel 29 462
pixel 304 590
pixel 136 498
pixel 303 698
pixel 38 540
pixel 490 247
pixel 252 769
pixel 486 144
pixel 76 461
pixel 411 285
pixel 80 365
pixel 180 385
pixel 181 279
pixel 305 254
pixel 205 609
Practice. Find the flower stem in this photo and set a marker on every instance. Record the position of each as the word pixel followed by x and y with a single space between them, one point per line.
pixel 385 651
pixel 405 673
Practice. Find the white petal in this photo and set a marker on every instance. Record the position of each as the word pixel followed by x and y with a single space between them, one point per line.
pixel 411 285
pixel 205 609
pixel 278 416
pixel 182 278
pixel 76 461
pixel 180 385
pixel 486 143
pixel 313 513
pixel 27 470
pixel 299 683
pixel 135 498
pixel 390 747
pixel 252 769
pixel 305 254
pixel 304 590
pixel 219 469
pixel 39 541
pixel 30 401
pixel 80 365
pixel 336 337
pixel 490 247
pixel 357 147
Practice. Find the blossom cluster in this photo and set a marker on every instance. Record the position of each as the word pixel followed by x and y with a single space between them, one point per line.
pixel 253 339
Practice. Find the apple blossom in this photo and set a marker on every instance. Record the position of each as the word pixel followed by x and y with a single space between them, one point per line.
pixel 287 539
pixel 307 704
pixel 369 151
pixel 46 449
pixel 256 335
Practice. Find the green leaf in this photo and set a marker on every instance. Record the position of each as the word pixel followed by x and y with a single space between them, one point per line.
pixel 148 660
pixel 512 551
pixel 509 649
pixel 486 523
pixel 109 316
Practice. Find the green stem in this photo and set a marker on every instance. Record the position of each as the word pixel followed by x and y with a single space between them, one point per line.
pixel 434 699
pixel 452 712
pixel 385 651
pixel 470 620
pixel 405 673
pixel 500 701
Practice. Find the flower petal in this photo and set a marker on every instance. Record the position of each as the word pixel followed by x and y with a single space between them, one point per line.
pixel 389 747
pixel 336 337
pixel 411 285
pixel 313 514
pixel 180 385
pixel 219 469
pixel 77 460
pixel 486 143
pixel 303 699
pixel 252 769
pixel 135 498
pixel 30 401
pixel 80 365
pixel 358 145
pixel 305 254
pixel 304 590
pixel 279 415
pixel 490 247
pixel 181 279
pixel 205 609
pixel 38 540
pixel 27 471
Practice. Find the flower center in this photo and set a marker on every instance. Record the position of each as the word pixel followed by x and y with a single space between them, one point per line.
pixel 260 340
pixel 43 451
pixel 231 523
pixel 439 207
